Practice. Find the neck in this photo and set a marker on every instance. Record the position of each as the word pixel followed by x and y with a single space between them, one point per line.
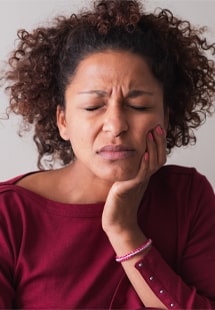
pixel 82 187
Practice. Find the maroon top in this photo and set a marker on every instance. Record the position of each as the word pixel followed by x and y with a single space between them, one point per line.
pixel 55 255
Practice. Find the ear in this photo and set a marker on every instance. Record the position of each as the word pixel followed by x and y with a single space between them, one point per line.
pixel 61 123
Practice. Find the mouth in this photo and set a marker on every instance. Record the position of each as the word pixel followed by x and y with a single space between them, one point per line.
pixel 115 152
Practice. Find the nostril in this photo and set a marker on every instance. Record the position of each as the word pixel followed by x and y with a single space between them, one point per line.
pixel 119 134
pixel 115 124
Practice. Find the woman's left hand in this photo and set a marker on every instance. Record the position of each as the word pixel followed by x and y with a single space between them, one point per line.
pixel 120 210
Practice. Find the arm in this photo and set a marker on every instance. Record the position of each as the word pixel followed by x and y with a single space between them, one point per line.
pixel 193 286
pixel 148 271
pixel 6 258
pixel 119 218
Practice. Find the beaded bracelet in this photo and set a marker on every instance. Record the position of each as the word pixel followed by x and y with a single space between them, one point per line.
pixel 142 248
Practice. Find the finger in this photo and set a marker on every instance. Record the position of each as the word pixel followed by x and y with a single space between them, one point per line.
pixel 152 151
pixel 159 135
pixel 142 174
pixel 144 168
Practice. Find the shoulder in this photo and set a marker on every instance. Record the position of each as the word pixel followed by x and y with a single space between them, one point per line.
pixel 180 192
pixel 177 170
pixel 33 188
pixel 11 192
pixel 172 173
pixel 10 184
pixel 182 183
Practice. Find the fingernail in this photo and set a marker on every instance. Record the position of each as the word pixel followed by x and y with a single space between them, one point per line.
pixel 159 130
pixel 150 136
pixel 146 156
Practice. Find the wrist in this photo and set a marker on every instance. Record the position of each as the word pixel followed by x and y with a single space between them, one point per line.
pixel 126 241
pixel 142 249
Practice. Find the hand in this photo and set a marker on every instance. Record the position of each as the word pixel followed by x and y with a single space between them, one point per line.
pixel 120 210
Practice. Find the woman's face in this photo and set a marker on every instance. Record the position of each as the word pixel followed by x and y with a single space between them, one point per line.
pixel 112 102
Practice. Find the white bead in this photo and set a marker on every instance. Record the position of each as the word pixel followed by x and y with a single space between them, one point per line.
pixel 161 291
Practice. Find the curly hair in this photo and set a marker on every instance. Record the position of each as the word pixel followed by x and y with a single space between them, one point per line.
pixel 44 61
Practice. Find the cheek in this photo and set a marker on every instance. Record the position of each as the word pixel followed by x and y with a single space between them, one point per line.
pixel 80 138
pixel 147 124
pixel 157 119
pixel 144 126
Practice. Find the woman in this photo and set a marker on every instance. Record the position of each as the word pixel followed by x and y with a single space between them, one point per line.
pixel 109 92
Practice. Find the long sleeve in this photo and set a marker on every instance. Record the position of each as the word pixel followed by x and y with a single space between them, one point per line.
pixel 191 284
pixel 7 235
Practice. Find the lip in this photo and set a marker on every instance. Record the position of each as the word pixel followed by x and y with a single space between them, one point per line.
pixel 115 152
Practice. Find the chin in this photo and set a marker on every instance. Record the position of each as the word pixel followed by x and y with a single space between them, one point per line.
pixel 117 176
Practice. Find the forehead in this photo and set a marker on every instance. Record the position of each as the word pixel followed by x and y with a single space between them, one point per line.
pixel 117 67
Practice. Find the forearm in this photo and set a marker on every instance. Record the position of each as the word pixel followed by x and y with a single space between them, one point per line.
pixel 126 244
pixel 156 283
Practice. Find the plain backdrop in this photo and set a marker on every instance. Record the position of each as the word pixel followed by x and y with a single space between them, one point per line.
pixel 18 155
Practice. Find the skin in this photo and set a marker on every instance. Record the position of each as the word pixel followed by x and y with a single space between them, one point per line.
pixel 114 100
pixel 121 106
pixel 115 120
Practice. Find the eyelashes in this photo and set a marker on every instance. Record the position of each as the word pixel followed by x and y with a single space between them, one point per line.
pixel 128 106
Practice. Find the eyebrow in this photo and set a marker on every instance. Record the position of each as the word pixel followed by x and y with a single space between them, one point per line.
pixel 131 94
pixel 137 93
pixel 100 93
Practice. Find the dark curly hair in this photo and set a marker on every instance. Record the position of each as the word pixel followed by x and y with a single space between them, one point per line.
pixel 44 61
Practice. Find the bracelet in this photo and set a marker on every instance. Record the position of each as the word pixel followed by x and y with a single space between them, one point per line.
pixel 142 248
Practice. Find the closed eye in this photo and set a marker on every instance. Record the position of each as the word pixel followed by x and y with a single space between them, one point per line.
pixel 138 108
pixel 93 108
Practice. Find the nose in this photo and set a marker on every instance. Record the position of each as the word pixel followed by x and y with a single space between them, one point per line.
pixel 115 121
